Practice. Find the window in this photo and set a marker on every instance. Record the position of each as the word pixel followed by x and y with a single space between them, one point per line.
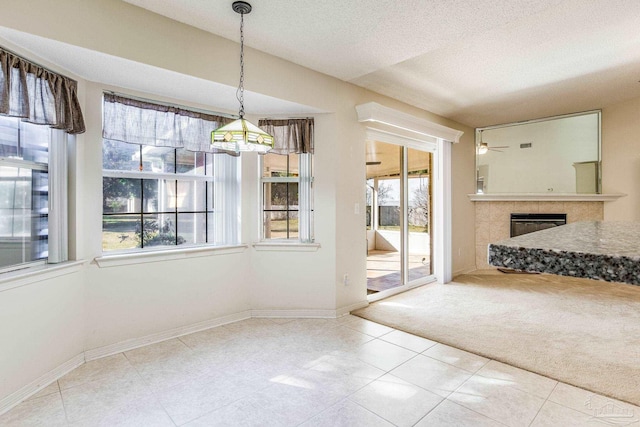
pixel 33 161
pixel 24 192
pixel 160 196
pixel 287 211
pixel 287 181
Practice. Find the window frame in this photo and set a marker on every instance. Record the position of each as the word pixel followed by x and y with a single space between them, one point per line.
pixel 305 180
pixel 209 178
pixel 57 194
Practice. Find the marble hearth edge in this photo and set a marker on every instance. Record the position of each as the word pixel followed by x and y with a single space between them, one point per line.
pixel 493 219
pixel 593 250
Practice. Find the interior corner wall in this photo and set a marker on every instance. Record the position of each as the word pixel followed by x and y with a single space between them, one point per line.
pixel 621 160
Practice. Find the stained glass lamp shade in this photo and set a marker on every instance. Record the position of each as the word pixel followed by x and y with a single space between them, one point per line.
pixel 241 135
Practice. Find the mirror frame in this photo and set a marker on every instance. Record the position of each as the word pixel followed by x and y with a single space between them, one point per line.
pixel 542 119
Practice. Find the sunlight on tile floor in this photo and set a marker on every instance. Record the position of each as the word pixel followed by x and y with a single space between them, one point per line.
pixel 311 372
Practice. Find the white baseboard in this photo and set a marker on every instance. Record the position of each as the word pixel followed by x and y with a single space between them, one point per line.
pixel 130 344
pixel 309 314
pixel 464 271
pixel 297 313
pixel 38 384
pixel 348 309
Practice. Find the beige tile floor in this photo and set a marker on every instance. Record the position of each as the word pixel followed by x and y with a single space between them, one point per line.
pixel 310 372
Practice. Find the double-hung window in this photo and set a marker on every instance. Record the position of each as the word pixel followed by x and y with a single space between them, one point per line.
pixel 163 184
pixel 38 108
pixel 24 192
pixel 287 181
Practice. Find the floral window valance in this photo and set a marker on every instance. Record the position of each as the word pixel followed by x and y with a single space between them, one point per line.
pixel 38 95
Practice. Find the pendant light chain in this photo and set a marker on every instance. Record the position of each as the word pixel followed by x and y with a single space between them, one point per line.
pixel 241 135
pixel 240 91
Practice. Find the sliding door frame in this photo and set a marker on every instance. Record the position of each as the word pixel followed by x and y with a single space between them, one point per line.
pixel 404 144
pixel 387 124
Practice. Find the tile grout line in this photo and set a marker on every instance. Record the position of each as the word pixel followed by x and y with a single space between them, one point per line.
pixel 366 409
pixel 544 403
pixel 64 407
pixel 152 392
pixel 472 410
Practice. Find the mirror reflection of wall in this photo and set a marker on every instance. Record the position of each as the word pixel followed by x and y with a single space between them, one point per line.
pixel 553 155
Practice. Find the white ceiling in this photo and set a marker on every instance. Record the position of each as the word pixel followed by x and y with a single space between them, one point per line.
pixel 479 62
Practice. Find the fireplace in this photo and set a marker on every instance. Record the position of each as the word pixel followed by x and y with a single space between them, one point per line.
pixel 523 223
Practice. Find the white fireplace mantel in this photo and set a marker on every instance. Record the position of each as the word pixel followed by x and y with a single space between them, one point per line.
pixel 544 197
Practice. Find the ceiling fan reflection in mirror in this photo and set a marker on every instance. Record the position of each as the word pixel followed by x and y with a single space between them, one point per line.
pixel 483 147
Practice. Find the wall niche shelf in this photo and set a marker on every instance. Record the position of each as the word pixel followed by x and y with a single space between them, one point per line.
pixel 544 197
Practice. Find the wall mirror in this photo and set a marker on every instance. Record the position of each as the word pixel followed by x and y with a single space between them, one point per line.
pixel 552 155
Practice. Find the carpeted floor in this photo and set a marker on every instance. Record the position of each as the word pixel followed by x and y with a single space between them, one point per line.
pixel 582 332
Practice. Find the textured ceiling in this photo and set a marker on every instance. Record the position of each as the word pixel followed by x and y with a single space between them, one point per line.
pixel 112 70
pixel 479 62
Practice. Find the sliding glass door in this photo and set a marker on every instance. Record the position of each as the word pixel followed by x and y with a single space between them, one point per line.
pixel 418 214
pixel 398 217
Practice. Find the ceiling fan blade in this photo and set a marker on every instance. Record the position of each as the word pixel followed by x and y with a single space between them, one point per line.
pixel 499 151
pixel 499 146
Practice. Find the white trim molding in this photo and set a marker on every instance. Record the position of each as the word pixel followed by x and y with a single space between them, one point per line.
pixel 140 257
pixel 374 112
pixel 544 197
pixel 286 246
pixel 442 231
pixel 343 311
pixel 294 314
pixel 17 278
pixel 39 383
pixel 419 142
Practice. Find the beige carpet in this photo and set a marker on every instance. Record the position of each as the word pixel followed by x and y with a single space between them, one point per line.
pixel 582 332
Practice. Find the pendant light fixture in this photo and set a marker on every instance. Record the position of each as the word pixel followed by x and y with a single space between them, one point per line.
pixel 241 135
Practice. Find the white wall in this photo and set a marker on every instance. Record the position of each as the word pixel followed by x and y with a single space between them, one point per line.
pixel 463 210
pixel 41 327
pixel 129 302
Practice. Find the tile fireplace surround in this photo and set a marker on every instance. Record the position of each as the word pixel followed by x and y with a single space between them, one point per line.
pixel 493 219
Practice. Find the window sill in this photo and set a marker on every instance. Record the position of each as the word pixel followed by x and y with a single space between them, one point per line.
pixel 116 260
pixel 18 278
pixel 286 246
